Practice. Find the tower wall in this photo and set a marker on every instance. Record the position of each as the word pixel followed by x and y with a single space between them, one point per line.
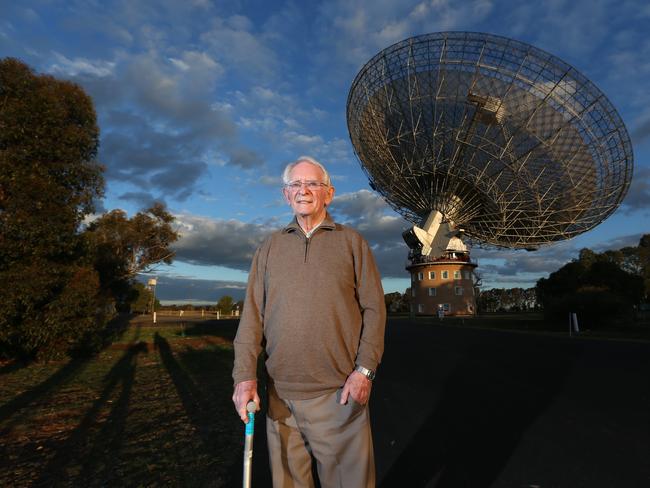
pixel 446 284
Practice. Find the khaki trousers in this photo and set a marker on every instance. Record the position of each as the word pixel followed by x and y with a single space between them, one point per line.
pixel 338 436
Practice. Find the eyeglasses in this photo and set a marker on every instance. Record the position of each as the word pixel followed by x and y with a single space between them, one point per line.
pixel 310 184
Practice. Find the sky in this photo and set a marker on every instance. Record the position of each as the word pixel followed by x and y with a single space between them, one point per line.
pixel 202 103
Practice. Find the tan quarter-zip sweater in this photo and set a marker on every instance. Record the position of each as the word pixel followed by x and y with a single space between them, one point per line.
pixel 319 304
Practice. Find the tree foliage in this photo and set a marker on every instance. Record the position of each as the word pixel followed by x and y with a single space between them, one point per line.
pixel 507 300
pixel 398 302
pixel 225 304
pixel 141 299
pixel 602 288
pixel 48 181
pixel 60 282
pixel 122 247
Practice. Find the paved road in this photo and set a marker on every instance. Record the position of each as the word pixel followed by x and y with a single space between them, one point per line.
pixel 475 408
pixel 456 407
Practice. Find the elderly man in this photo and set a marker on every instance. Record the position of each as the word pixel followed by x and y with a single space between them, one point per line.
pixel 315 300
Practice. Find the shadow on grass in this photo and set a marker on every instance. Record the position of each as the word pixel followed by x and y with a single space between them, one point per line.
pixel 28 397
pixel 481 415
pixel 82 443
pixel 220 328
pixel 13 366
pixel 115 329
pixel 204 390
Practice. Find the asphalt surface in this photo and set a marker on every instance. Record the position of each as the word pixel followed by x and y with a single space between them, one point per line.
pixel 459 407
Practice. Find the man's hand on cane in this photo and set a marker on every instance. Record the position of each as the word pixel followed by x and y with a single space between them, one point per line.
pixel 245 392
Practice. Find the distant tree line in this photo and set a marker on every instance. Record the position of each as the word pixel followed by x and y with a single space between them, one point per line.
pixel 507 300
pixel 397 302
pixel 604 289
pixel 225 305
pixel 62 280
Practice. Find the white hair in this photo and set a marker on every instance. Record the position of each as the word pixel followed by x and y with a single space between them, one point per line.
pixel 305 159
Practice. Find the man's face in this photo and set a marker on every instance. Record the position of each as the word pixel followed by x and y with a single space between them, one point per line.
pixel 306 202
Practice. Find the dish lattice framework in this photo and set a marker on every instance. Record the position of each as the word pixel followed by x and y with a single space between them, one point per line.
pixel 507 141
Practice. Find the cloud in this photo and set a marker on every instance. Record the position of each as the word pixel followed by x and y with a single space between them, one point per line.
pixel 619 242
pixel 156 161
pixel 358 30
pixel 362 205
pixel 369 214
pixel 272 110
pixel 142 198
pixel 229 243
pixel 179 290
pixel 159 132
pixel 179 179
pixel 232 243
pixel 520 262
pixel 576 27
pixel 163 119
pixel 268 180
pixel 297 140
pixel 244 158
pixel 518 268
pixel 638 196
pixel 234 41
pixel 281 120
pixel 335 151
pixel 199 70
pixel 503 267
pixel 641 132
pixel 81 66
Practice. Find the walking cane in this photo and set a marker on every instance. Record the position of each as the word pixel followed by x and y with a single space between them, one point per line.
pixel 248 443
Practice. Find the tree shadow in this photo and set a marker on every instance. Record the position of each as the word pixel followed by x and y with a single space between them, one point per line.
pixel 205 391
pixel 115 329
pixel 67 372
pixel 82 444
pixel 13 366
pixel 226 329
pixel 485 406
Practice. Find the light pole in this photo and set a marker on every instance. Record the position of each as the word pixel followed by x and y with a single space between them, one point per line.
pixel 152 284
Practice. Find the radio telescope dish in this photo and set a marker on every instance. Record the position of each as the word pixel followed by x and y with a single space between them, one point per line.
pixel 490 135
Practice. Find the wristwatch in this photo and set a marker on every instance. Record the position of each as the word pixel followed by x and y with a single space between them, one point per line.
pixel 368 373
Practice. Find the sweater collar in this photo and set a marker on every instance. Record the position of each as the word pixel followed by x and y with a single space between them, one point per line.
pixel 327 224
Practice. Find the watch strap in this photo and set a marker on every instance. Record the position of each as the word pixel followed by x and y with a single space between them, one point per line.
pixel 368 373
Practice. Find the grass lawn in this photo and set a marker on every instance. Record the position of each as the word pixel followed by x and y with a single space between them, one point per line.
pixel 152 409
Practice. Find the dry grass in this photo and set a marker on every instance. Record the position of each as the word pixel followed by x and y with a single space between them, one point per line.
pixel 153 409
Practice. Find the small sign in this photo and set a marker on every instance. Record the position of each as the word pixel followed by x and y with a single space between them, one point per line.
pixel 152 282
